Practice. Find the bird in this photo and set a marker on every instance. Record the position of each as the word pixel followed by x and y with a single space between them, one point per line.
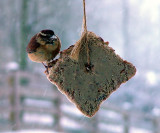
pixel 43 47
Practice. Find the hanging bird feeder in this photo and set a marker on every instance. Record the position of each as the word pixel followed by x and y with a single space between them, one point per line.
pixel 89 71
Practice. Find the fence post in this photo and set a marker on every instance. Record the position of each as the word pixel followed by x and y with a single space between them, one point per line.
pixel 93 128
pixel 156 127
pixel 14 101
pixel 95 124
pixel 126 123
pixel 57 104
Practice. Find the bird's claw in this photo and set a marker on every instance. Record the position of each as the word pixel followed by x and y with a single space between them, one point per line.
pixel 46 71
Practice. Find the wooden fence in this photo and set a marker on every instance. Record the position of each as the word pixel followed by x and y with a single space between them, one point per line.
pixel 26 97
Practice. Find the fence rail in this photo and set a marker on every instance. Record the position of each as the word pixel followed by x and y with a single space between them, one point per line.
pixel 24 97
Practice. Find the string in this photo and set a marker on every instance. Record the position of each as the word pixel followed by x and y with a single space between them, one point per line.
pixel 75 52
pixel 85 30
pixel 84 16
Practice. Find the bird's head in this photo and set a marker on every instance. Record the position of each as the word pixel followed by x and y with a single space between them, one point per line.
pixel 46 33
pixel 46 37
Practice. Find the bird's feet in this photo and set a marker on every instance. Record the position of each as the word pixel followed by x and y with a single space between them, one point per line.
pixel 46 66
pixel 49 65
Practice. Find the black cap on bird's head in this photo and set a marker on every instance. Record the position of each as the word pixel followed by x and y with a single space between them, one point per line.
pixel 46 33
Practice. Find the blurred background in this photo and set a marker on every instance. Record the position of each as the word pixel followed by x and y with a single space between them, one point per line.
pixel 30 103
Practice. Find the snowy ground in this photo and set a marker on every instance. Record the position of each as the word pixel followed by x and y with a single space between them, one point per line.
pixel 69 123
pixel 32 131
pixel 118 129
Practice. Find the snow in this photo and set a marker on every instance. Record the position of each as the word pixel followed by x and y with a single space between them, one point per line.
pixel 32 131
pixel 151 77
pixel 135 130
pixel 12 66
pixel 38 119
pixel 38 103
pixel 71 109
pixel 68 123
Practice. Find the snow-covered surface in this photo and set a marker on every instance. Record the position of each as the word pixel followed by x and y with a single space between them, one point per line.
pixel 38 103
pixel 135 130
pixel 71 124
pixel 32 131
pixel 71 109
pixel 111 128
pixel 12 66
pixel 38 119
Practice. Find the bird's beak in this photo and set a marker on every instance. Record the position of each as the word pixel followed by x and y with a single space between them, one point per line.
pixel 54 38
